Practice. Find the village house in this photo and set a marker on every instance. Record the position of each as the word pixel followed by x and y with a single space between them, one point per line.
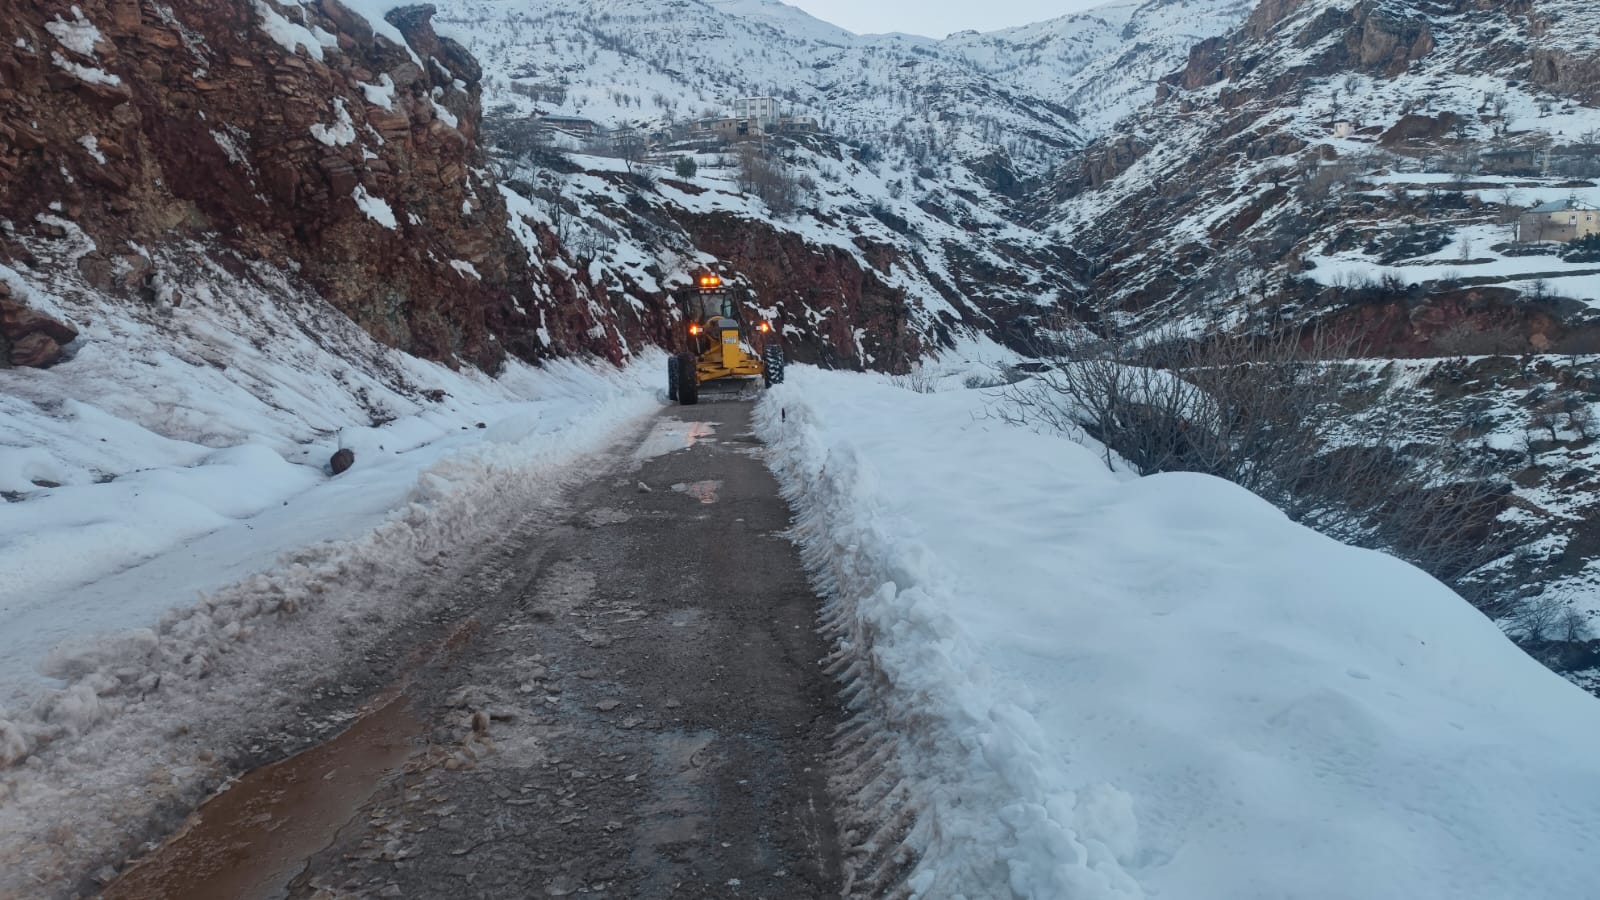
pixel 1559 221
pixel 1523 161
pixel 796 124
pixel 571 125
pixel 726 128
pixel 753 118
pixel 1569 160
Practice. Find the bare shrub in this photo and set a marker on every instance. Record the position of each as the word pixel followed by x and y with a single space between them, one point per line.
pixel 1573 626
pixel 1547 417
pixel 1579 414
pixel 768 176
pixel 917 380
pixel 1295 418
pixel 1528 445
pixel 980 381
pixel 1465 339
pixel 1549 618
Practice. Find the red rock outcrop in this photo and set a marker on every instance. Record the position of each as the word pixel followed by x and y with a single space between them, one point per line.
pixel 298 134
pixel 1404 328
pixel 29 337
pixel 833 311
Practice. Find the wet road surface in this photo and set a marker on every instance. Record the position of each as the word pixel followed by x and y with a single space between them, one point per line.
pixel 638 712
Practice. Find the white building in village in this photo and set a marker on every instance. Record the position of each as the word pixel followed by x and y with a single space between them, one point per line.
pixel 761 110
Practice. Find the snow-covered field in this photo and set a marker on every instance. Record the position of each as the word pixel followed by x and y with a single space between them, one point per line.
pixel 1102 686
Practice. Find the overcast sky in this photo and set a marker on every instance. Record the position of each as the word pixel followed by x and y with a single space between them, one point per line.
pixel 937 18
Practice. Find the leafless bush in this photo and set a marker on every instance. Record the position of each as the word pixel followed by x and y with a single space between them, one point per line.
pixel 1573 625
pixel 1528 445
pixel 1583 420
pixel 519 138
pixel 1547 417
pixel 917 380
pixel 981 381
pixel 1463 339
pixel 1578 412
pixel 769 177
pixel 1550 619
pixel 1290 417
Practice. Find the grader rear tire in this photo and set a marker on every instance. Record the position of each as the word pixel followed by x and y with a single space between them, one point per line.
pixel 772 365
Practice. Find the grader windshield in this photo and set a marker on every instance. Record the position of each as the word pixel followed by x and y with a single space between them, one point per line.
pixel 705 306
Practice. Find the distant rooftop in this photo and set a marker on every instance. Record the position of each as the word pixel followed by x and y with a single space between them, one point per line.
pixel 1556 206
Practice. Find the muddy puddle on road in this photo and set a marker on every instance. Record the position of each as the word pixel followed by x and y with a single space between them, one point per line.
pixel 250 841
pixel 672 435
pixel 704 491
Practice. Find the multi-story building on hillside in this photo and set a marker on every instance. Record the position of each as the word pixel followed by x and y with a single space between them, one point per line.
pixel 761 110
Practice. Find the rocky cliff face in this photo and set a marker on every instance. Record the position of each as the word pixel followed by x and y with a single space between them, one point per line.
pixel 29 337
pixel 302 135
pixel 838 312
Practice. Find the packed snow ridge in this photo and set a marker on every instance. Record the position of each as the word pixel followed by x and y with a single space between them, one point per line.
pixel 1103 686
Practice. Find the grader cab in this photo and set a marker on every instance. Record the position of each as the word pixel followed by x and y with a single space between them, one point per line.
pixel 721 349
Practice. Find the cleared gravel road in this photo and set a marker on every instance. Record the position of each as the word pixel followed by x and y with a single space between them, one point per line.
pixel 631 707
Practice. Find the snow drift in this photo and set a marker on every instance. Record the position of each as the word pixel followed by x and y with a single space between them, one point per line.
pixel 1070 682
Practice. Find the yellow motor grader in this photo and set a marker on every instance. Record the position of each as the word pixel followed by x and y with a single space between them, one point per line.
pixel 720 349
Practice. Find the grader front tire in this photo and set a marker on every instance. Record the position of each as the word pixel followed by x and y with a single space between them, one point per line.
pixel 688 381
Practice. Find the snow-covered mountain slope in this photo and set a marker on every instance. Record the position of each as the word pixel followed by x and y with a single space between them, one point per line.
pixel 923 150
pixel 360 171
pixel 873 267
pixel 1102 64
pixel 1032 89
pixel 646 60
pixel 1363 165
pixel 1247 153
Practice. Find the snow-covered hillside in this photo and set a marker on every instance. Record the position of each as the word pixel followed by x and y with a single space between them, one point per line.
pixel 645 62
pixel 911 185
pixel 1365 166
pixel 1102 64
pixel 1250 153
pixel 1077 683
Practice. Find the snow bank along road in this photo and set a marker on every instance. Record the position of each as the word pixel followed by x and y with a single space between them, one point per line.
pixel 1070 682
pixel 208 610
pixel 1060 680
pixel 627 704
